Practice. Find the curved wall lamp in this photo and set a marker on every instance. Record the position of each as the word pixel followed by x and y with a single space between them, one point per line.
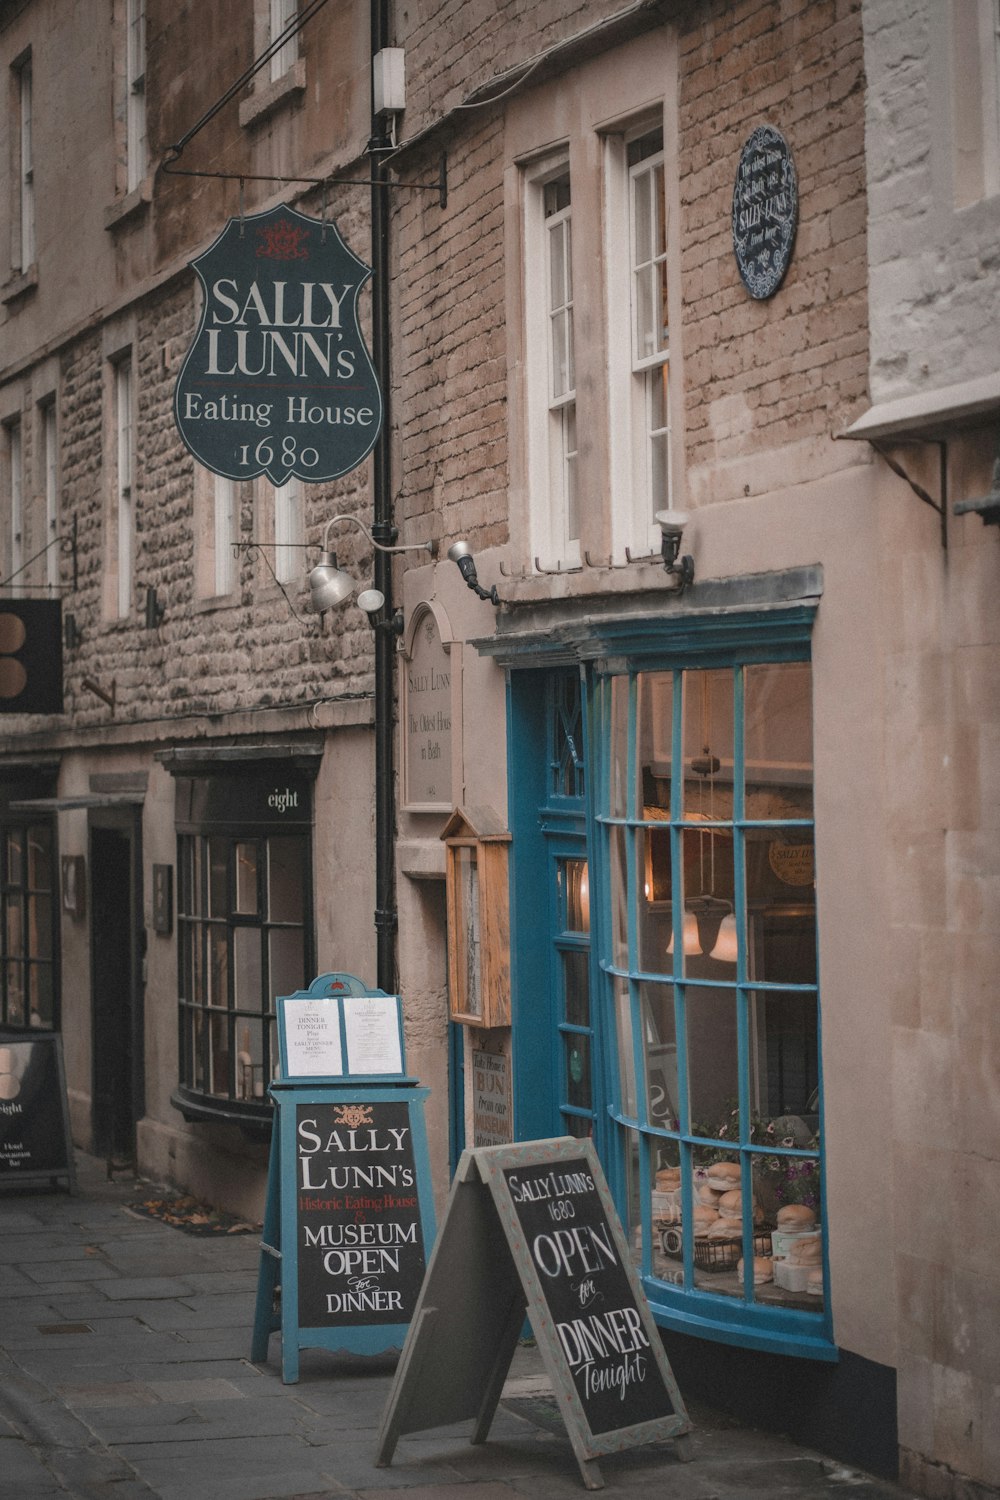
pixel 461 553
pixel 672 524
pixel 329 585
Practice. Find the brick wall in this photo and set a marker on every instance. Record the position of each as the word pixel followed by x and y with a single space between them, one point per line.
pixel 796 365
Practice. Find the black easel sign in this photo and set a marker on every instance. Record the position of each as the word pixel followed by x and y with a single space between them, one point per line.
pixel 533 1228
pixel 35 1144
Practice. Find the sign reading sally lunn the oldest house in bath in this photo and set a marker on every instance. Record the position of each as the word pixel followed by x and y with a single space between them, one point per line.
pixel 279 380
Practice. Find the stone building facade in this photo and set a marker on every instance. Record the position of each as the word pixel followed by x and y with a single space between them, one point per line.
pixel 745 818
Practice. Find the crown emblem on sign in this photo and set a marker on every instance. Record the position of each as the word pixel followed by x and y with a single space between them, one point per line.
pixel 353 1115
pixel 282 241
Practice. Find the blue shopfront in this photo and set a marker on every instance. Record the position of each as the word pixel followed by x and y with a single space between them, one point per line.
pixel 664 976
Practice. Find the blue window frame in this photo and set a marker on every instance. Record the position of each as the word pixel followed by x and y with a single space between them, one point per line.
pixel 684 789
pixel 704 840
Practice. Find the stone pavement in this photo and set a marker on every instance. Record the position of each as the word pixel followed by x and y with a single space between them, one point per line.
pixel 125 1375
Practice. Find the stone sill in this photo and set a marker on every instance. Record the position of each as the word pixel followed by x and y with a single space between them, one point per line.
pixel 130 206
pixel 271 96
pixel 20 285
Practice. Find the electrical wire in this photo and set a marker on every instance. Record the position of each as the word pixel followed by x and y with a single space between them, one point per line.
pixel 292 29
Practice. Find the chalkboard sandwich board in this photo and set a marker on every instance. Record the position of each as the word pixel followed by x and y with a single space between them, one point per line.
pixel 533 1228
pixel 35 1143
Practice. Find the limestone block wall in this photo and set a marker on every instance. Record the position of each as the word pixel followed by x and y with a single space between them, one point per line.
pixel 935 222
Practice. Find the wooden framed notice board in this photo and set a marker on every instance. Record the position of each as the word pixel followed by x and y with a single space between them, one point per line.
pixel 532 1228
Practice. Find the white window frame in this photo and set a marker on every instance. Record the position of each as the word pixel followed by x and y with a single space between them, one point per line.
pixel 26 239
pixel 989 46
pixel 15 497
pixel 289 530
pixel 123 398
pixel 633 371
pixel 281 14
pixel 551 402
pixel 136 150
pixel 225 517
pixel 50 482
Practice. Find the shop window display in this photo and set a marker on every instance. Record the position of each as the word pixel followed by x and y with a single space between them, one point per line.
pixel 711 955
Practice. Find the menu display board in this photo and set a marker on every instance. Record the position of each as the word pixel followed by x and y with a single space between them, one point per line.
pixel 336 1029
pixel 35 1142
pixel 532 1228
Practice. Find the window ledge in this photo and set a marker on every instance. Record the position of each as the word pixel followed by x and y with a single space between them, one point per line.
pixel 253 1119
pixel 271 96
pixel 19 285
pixel 130 206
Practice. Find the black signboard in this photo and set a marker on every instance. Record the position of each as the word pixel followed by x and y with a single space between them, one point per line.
pixel 349 1220
pixel 765 211
pixel 35 1143
pixel 590 1299
pixel 359 1237
pixel 31 656
pixel 278 380
pixel 532 1228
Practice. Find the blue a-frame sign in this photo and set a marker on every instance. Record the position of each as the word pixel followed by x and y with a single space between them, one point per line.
pixel 349 1220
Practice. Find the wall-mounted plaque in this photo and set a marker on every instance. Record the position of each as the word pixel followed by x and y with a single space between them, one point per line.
pixel 492 1117
pixel 427 719
pixel 765 211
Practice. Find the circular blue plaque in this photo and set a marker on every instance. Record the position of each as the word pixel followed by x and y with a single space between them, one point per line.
pixel 765 211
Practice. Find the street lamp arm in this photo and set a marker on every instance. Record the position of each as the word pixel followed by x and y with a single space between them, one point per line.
pixel 430 547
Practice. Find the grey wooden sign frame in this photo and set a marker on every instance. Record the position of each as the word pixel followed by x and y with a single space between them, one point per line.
pixel 480 1282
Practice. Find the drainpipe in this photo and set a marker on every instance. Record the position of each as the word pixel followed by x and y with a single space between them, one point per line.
pixel 383 531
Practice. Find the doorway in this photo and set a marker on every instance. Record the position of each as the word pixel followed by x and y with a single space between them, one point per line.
pixel 117 940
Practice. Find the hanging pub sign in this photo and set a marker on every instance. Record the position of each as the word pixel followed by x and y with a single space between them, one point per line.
pixel 765 211
pixel 279 380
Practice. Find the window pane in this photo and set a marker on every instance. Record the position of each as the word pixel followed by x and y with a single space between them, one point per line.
pixel 778 735
pixel 467 930
pixel 285 879
pixel 246 879
pixel 218 871
pixel 218 975
pixel 286 947
pixel 653 751
pixel 659 1042
pixel 577 901
pixel 40 859
pixel 576 1050
pixel 246 963
pixel 218 1060
pixel 569 462
pixel 708 745
pixel 645 312
pixel 713 1072
pixel 576 987
pixel 15 924
pixel 626 1058
pixel 14 862
pixel 619 897
pixel 42 998
pixel 618 749
pixel 643 218
pixel 249 1061
pixel 15 993
pixel 558 289
pixel 40 926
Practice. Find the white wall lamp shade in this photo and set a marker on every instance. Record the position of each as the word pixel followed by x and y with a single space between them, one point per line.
pixel 328 584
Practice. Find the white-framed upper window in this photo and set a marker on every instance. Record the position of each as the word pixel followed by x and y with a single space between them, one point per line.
pixel 124 425
pixel 641 437
pixel 25 243
pixel 50 482
pixel 225 513
pixel 650 397
pixel 15 500
pixel 989 41
pixel 289 530
pixel 281 15
pixel 135 93
pixel 551 376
